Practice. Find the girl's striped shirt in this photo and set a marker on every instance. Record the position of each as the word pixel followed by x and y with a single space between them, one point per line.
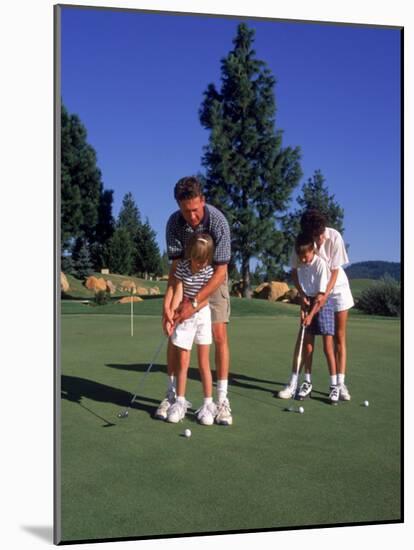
pixel 192 282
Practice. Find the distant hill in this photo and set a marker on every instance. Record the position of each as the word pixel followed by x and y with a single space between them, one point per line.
pixel 374 270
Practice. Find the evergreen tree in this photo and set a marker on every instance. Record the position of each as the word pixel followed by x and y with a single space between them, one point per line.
pixel 121 249
pixel 149 252
pixel 129 219
pixel 249 176
pixel 314 195
pixel 81 258
pixel 86 208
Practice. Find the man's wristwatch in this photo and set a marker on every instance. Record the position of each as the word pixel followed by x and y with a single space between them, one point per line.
pixel 194 303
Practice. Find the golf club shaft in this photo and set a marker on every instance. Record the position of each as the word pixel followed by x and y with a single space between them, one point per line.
pixel 140 383
pixel 299 357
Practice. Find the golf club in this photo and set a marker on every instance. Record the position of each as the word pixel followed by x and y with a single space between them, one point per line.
pixel 124 413
pixel 299 356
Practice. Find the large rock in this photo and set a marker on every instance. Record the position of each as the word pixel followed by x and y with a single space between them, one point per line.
pixel 129 299
pixel 64 285
pixel 272 291
pixel 100 285
pixel 128 286
pixel 142 291
pixel 154 291
pixel 90 282
pixel 110 287
pixel 291 296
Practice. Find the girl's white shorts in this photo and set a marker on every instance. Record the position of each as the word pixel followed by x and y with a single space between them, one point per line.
pixel 342 298
pixel 195 329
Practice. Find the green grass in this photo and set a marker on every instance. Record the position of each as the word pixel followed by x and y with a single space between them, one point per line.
pixel 271 469
pixel 359 285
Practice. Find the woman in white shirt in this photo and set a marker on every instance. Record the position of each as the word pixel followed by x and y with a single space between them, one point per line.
pixel 331 247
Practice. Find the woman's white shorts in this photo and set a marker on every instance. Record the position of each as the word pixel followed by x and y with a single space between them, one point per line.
pixel 195 329
pixel 342 298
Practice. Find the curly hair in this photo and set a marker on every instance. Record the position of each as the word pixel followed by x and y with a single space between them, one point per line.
pixel 188 187
pixel 313 222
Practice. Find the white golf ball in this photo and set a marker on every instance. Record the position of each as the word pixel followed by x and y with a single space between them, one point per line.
pixel 301 410
pixel 366 403
pixel 187 433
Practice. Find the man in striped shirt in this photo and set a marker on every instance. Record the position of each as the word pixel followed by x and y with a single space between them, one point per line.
pixel 194 216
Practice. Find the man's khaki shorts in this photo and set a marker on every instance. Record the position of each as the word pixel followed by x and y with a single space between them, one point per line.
pixel 220 304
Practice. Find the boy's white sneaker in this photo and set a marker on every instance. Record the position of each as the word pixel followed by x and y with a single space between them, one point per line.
pixel 344 394
pixel 177 411
pixel 223 415
pixel 334 394
pixel 161 412
pixel 206 414
pixel 305 391
pixel 288 391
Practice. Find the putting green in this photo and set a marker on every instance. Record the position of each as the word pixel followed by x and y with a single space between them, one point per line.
pixel 140 477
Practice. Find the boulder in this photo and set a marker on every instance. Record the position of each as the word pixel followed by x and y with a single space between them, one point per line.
pixel 90 282
pixel 154 291
pixel 100 285
pixel 128 286
pixel 272 291
pixel 129 299
pixel 110 287
pixel 292 296
pixel 141 291
pixel 64 285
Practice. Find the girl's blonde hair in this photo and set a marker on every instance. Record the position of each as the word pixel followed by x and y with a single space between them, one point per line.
pixel 200 248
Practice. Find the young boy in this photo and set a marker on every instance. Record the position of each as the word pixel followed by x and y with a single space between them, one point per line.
pixel 191 275
pixel 313 275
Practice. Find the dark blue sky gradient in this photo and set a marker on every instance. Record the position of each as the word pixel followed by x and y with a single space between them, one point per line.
pixel 136 80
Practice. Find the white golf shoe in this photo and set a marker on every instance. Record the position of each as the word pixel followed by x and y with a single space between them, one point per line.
pixel 177 411
pixel 163 407
pixel 206 414
pixel 344 394
pixel 288 392
pixel 223 415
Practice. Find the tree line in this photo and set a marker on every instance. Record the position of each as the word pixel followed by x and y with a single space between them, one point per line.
pixel 248 174
pixel 91 238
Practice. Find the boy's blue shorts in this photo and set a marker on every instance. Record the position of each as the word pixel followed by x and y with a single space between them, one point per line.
pixel 323 323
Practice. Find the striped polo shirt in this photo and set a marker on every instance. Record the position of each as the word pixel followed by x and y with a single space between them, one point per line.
pixel 178 232
pixel 192 282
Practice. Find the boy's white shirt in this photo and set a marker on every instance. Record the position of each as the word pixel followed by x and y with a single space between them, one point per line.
pixel 314 277
pixel 334 253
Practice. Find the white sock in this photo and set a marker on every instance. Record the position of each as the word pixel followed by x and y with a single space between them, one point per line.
pixel 208 400
pixel 333 380
pixel 308 377
pixel 341 379
pixel 181 399
pixel 293 379
pixel 221 390
pixel 171 383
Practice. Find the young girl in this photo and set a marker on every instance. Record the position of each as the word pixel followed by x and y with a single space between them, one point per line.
pixel 313 276
pixel 191 275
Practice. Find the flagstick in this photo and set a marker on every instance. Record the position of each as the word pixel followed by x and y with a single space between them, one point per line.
pixel 132 315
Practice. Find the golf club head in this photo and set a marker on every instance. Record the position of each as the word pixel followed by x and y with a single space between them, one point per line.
pixel 123 414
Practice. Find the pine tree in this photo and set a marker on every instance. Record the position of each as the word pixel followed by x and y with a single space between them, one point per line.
pixel 165 263
pixel 249 176
pixel 86 208
pixel 149 252
pixel 81 258
pixel 121 249
pixel 314 195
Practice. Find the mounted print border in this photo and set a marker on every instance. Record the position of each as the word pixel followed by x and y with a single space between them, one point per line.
pixel 142 99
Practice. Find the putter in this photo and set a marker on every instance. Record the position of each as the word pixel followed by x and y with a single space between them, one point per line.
pixel 124 413
pixel 299 357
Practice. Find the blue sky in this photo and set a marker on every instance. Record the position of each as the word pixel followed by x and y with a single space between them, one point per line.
pixel 136 80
